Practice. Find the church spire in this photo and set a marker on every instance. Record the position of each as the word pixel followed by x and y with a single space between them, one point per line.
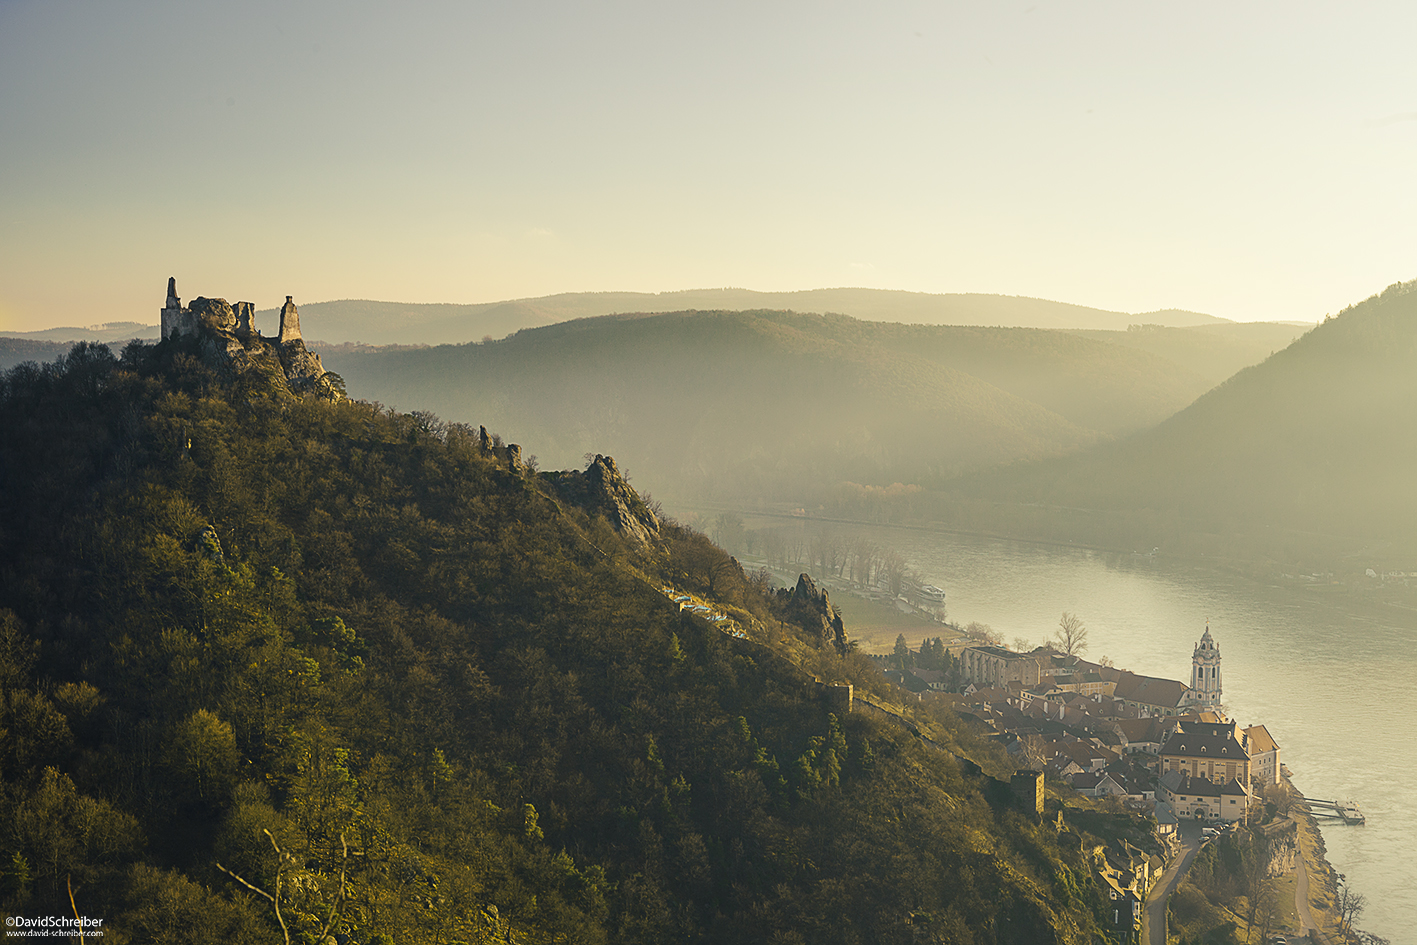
pixel 1205 672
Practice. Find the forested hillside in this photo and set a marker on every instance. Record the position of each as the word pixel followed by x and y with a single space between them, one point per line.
pixel 371 665
pixel 1315 445
pixel 738 406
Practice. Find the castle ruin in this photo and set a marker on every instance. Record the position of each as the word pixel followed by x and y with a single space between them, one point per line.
pixel 227 337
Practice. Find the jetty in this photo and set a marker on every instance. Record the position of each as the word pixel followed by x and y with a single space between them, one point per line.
pixel 1346 811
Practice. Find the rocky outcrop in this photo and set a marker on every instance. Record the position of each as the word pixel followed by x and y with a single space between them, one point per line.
pixel 601 490
pixel 816 613
pixel 1281 840
pixel 229 343
pixel 213 314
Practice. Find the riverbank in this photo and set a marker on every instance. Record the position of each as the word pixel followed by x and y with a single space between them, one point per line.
pixel 1322 886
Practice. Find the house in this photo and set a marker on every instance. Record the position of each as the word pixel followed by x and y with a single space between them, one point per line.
pixel 1126 910
pixel 1102 784
pixel 1144 734
pixel 1167 824
pixel 1126 875
pixel 1202 798
pixel 1086 684
pixel 932 678
pixel 1089 756
pixel 1214 750
pixel 1264 755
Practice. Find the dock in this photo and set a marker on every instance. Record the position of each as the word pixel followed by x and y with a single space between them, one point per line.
pixel 1346 811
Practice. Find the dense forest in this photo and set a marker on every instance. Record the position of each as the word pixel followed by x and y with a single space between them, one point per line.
pixel 278 667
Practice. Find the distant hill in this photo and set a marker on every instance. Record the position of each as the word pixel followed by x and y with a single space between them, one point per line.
pixel 107 332
pixel 767 404
pixel 15 351
pixel 404 323
pixel 381 323
pixel 1319 438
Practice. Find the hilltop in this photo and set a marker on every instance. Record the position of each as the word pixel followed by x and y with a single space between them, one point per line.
pixel 381 665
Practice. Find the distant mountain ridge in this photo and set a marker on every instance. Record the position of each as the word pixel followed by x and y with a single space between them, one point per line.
pixel 380 323
pixel 403 323
pixel 107 332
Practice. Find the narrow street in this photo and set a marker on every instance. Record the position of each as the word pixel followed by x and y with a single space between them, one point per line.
pixel 1153 930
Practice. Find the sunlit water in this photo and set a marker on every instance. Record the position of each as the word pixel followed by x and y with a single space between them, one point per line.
pixel 1335 683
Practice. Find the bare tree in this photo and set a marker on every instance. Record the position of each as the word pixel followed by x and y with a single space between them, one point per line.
pixel 284 863
pixel 895 571
pixel 981 633
pixel 1071 635
pixel 1350 904
pixel 1030 755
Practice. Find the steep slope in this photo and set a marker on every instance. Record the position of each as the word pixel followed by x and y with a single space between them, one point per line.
pixel 1319 438
pixel 373 664
pixel 774 404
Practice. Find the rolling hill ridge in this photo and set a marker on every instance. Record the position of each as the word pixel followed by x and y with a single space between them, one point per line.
pixel 735 404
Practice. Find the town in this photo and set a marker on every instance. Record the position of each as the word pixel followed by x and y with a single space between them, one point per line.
pixel 1157 746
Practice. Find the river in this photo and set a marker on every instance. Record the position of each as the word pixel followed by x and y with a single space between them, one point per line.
pixel 1334 682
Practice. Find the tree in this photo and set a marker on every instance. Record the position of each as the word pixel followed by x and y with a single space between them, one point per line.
pixel 981 633
pixel 201 753
pixel 1071 635
pixel 1350 904
pixel 895 571
pixel 902 653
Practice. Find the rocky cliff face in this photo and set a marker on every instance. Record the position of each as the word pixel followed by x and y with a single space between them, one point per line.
pixel 1282 841
pixel 816 612
pixel 601 490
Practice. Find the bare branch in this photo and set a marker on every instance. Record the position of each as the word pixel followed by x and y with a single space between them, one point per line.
pixel 281 860
pixel 339 900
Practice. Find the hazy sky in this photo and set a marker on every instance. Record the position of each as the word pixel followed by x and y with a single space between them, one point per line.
pixel 1249 160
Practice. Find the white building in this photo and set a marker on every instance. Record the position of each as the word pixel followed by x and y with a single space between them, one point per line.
pixel 1205 674
pixel 1202 798
pixel 1264 755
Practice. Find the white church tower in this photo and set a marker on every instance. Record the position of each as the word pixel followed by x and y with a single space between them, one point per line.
pixel 1205 673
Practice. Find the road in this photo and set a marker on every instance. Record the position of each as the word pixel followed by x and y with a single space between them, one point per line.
pixel 1307 925
pixel 1153 930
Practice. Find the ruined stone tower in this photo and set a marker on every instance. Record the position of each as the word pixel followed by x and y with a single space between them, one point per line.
pixel 289 322
pixel 175 320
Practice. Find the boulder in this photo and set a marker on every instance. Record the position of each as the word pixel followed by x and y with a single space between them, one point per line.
pixel 215 314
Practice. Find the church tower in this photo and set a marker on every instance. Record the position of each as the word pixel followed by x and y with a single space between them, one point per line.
pixel 1205 673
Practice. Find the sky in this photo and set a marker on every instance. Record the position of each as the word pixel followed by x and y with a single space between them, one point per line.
pixel 1252 161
